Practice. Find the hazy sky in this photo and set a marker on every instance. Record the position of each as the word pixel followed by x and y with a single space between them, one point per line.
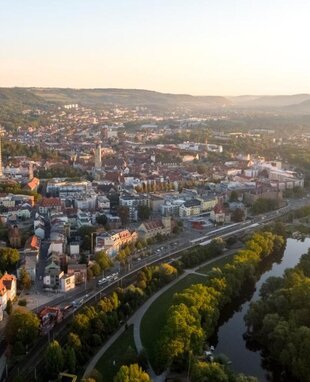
pixel 222 47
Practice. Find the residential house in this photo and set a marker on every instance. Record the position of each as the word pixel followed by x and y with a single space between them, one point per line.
pixel 47 205
pixel 220 214
pixel 7 291
pixel 190 208
pixel 79 271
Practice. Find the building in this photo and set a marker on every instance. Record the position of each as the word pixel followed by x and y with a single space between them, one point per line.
pixel 103 203
pixel 79 271
pixel 111 242
pixel 7 290
pixel 98 160
pixel 220 215
pixel 47 205
pixel 67 282
pixel 152 228
pixel 83 219
pixel 15 237
pixel 190 208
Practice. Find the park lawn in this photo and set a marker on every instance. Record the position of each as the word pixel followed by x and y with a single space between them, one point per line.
pixel 155 317
pixel 120 351
pixel 216 264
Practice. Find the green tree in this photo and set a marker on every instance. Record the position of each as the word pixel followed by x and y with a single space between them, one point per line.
pixel 70 359
pixel 95 269
pixel 54 359
pixel 144 212
pixel 238 215
pixel 132 373
pixel 86 235
pixel 25 279
pixel 123 213
pixel 206 371
pixel 22 326
pixel 101 219
pixel 103 260
pixel 9 257
pixel 9 307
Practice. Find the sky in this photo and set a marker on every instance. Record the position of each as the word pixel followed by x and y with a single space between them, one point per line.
pixel 200 47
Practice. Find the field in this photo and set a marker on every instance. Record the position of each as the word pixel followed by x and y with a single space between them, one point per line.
pixel 219 263
pixel 154 319
pixel 122 351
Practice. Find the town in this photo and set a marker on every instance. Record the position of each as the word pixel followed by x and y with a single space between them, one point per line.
pixel 84 203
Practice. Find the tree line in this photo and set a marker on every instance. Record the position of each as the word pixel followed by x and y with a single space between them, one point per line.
pixel 279 322
pixel 195 312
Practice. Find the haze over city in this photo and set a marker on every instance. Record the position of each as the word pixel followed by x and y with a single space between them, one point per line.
pixel 225 47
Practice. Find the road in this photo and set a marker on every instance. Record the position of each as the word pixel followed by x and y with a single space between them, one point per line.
pixel 91 294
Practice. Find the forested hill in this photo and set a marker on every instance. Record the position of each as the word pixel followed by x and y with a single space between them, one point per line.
pixel 102 97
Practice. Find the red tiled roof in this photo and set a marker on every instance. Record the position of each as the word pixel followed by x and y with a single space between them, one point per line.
pixel 154 224
pixel 50 202
pixel 33 183
pixel 33 242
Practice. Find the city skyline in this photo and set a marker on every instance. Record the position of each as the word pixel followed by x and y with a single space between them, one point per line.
pixel 202 48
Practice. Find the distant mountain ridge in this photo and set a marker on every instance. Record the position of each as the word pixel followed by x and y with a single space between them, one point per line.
pixel 101 97
pixel 270 101
pixel 23 98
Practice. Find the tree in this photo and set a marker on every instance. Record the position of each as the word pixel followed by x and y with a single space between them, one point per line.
pixel 103 260
pixel 70 359
pixel 206 371
pixel 123 213
pixel 9 307
pixel 144 212
pixel 86 235
pixel 54 359
pixel 22 326
pixel 132 373
pixel 101 219
pixel 233 196
pixel 95 269
pixel 9 257
pixel 238 215
pixel 25 279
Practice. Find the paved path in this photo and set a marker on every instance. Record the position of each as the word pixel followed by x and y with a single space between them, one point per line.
pixel 136 319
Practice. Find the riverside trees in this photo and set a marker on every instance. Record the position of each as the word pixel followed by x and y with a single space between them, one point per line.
pixel 195 312
pixel 280 321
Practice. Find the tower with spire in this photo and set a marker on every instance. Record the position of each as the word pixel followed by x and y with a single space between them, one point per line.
pixel 98 161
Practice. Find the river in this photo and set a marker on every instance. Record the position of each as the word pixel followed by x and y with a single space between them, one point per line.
pixel 229 338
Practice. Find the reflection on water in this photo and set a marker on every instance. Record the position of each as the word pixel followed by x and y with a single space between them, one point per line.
pixel 229 337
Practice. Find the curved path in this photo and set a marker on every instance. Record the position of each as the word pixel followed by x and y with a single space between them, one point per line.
pixel 136 319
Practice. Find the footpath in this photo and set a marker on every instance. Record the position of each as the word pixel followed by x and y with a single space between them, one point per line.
pixel 136 319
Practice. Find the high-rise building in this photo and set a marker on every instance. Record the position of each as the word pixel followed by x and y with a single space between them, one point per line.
pixel 98 156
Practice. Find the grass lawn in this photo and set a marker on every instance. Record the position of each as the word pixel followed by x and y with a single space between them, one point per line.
pixel 218 263
pixel 121 352
pixel 155 317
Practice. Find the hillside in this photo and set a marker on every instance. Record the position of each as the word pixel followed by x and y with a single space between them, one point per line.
pixel 270 101
pixel 127 97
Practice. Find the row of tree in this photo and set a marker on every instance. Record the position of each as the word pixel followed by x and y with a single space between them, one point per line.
pixel 280 321
pixel 94 324
pixel 195 311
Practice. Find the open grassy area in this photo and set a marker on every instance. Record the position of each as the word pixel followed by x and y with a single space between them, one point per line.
pixel 155 317
pixel 216 264
pixel 122 351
